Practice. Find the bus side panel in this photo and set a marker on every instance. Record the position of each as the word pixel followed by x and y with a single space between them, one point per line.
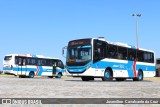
pixel 119 68
pixel 25 70
pixel 147 68
pixel 45 71
pixel 128 69
pixel 60 70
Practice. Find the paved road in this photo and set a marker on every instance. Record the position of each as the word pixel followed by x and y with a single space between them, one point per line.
pixel 43 87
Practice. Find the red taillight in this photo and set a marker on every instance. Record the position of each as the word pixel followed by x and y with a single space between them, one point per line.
pixel 11 67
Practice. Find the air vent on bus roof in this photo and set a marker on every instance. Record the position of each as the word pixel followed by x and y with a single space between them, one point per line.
pixel 101 38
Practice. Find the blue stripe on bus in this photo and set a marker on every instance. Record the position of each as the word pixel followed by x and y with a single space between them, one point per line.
pixel 114 65
pixel 41 70
pixel 122 66
pixel 6 68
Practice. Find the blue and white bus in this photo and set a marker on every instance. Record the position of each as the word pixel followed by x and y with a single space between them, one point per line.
pixel 96 58
pixel 32 65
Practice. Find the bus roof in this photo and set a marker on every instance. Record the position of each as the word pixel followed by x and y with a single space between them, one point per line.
pixel 31 55
pixel 118 44
pixel 124 45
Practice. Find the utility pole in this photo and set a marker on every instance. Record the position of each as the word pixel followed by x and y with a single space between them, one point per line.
pixel 136 15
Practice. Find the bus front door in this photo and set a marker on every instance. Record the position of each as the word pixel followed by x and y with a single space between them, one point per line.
pixel 54 70
pixel 22 66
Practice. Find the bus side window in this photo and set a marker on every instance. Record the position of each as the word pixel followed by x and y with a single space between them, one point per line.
pixel 112 51
pixel 49 62
pixel 19 61
pixel 131 54
pixel 122 53
pixel 60 64
pixel 140 56
pixel 16 60
pixel 24 61
pixel 54 63
pixel 99 50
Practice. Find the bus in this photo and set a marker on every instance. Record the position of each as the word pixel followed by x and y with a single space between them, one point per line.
pixel 158 67
pixel 29 65
pixel 97 58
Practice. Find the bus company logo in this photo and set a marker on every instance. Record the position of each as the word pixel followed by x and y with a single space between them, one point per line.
pixel 118 66
pixel 21 101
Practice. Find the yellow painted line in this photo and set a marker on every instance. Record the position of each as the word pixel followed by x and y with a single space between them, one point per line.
pixel 53 77
pixel 6 75
pixel 66 77
pixel 152 78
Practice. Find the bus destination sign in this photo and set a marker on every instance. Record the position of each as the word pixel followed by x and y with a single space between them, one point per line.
pixel 80 42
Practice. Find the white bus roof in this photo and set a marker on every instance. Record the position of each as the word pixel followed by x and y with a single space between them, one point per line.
pixel 31 55
pixel 124 45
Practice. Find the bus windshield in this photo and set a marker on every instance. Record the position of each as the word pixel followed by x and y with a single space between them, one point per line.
pixel 79 54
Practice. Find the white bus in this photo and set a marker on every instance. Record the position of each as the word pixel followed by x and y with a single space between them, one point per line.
pixel 32 65
pixel 158 67
pixel 96 58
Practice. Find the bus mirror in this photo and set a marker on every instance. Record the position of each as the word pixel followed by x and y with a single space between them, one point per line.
pixel 64 50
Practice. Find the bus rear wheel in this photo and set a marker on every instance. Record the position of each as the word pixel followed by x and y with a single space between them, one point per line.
pixel 107 76
pixel 139 76
pixel 59 75
pixel 31 74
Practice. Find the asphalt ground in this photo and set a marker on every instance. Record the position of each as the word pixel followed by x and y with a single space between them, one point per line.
pixel 68 87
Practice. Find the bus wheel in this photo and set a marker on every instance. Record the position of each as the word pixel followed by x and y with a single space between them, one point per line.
pixel 31 74
pixel 59 75
pixel 139 76
pixel 107 76
pixel 120 79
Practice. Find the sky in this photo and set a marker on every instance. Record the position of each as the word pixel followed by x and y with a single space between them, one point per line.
pixel 44 27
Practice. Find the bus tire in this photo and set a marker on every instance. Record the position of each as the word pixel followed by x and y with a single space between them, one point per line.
pixel 139 76
pixel 31 74
pixel 107 75
pixel 59 75
pixel 120 79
